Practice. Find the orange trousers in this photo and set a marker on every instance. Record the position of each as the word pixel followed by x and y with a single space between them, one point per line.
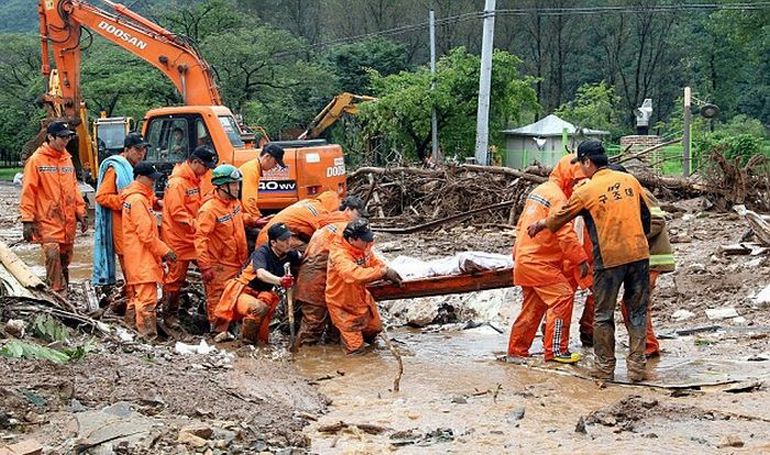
pixel 555 302
pixel 177 273
pixel 57 258
pixel 651 345
pixel 258 308
pixel 145 300
pixel 353 341
pixel 215 287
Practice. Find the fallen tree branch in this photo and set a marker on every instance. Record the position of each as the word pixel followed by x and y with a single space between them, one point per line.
pixel 400 371
pixel 456 217
pixel 365 427
pixel 615 159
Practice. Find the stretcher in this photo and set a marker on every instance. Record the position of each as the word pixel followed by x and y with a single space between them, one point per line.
pixel 443 285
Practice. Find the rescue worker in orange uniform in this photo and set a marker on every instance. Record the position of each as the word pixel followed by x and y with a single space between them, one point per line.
pixel 306 216
pixel 540 271
pixel 252 296
pixel 181 202
pixel 311 279
pixel 51 204
pixel 352 265
pixel 220 238
pixel 617 217
pixel 115 173
pixel 567 175
pixel 661 261
pixel 270 157
pixel 144 251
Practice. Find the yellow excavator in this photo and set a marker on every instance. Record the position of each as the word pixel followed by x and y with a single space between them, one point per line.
pixel 344 103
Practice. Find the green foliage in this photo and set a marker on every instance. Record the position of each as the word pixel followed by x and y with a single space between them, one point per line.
pixel 199 20
pixel 402 114
pixel 595 106
pixel 352 62
pixel 18 349
pixel 732 146
pixel 49 329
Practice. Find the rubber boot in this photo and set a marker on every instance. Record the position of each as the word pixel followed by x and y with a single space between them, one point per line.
pixel 250 331
pixel 130 317
pixel 171 310
pixel 149 329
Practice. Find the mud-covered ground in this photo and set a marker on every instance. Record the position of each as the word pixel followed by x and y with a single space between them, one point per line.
pixel 455 397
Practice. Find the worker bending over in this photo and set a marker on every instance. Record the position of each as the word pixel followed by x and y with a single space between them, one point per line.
pixel 181 202
pixel 144 251
pixel 352 265
pixel 220 238
pixel 306 216
pixel 541 262
pixel 311 280
pixel 252 296
pixel 616 214
pixel 51 204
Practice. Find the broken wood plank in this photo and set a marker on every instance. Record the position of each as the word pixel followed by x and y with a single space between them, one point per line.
pixel 442 221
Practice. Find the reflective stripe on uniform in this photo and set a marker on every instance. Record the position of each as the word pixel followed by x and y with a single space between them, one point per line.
pixel 662 259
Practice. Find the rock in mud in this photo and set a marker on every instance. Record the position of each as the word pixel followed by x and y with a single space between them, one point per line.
pixel 459 400
pixel 200 429
pixel 580 427
pixel 730 441
pixel 516 414
pixel 191 440
pixel 26 447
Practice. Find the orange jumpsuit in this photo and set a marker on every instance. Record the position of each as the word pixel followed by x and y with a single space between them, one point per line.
pixel 539 271
pixel 351 307
pixel 220 244
pixel 51 199
pixel 304 217
pixel 181 203
pixel 245 293
pixel 252 171
pixel 311 283
pixel 143 251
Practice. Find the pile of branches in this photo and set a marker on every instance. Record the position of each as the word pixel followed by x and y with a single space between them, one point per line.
pixel 405 196
pixel 431 198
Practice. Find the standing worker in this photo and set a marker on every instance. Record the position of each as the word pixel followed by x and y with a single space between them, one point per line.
pixel 270 157
pixel 181 202
pixel 51 204
pixel 143 249
pixel 615 209
pixel 115 173
pixel 220 238
pixel 251 296
pixel 540 271
pixel 352 265
pixel 311 280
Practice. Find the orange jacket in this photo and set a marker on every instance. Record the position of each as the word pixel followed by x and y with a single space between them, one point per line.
pixel 539 261
pixel 303 218
pixel 181 203
pixel 347 274
pixel 612 204
pixel 220 237
pixel 323 238
pixel 252 171
pixel 107 196
pixel 564 174
pixel 50 196
pixel 142 247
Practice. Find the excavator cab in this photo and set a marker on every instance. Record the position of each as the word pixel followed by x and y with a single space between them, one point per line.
pixel 109 134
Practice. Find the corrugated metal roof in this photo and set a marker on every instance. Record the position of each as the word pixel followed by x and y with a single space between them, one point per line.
pixel 551 126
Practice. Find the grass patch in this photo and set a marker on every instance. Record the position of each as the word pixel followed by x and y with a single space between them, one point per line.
pixel 7 173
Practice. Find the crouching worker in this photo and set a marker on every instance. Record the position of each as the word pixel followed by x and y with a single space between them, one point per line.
pixel 143 249
pixel 351 266
pixel 252 296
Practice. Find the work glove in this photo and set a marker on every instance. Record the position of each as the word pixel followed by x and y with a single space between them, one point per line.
pixel 207 275
pixel 262 222
pixel 169 257
pixel 583 269
pixel 287 281
pixel 29 230
pixel 83 220
pixel 393 276
pixel 535 228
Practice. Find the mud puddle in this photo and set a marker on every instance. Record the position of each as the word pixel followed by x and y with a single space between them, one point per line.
pixel 456 397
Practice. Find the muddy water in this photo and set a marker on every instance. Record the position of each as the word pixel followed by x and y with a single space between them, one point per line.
pixel 452 382
pixel 82 260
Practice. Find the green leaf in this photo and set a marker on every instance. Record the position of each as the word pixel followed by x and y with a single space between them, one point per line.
pixel 23 350
pixel 48 328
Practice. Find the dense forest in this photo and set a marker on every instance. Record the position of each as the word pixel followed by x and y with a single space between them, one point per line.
pixel 278 62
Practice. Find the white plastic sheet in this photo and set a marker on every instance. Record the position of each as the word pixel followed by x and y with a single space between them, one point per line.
pixel 466 262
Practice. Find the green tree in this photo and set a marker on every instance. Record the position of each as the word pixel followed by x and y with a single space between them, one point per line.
pixel 595 106
pixel 352 62
pixel 402 114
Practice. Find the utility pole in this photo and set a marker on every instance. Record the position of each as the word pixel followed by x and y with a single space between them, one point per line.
pixel 437 158
pixel 485 81
pixel 686 138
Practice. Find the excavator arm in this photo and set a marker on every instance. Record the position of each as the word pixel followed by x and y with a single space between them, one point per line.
pixel 344 103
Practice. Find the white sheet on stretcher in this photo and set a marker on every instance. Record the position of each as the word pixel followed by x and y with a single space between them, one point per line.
pixel 470 261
